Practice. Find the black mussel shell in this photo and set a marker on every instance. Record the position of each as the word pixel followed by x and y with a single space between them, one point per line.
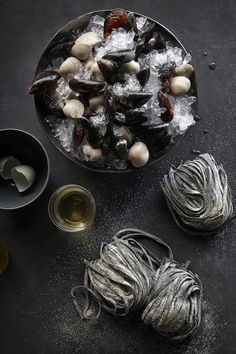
pixel 109 104
pixel 86 86
pixel 121 149
pixel 92 133
pixel 120 118
pixel 136 99
pixel 43 80
pixel 121 56
pixel 110 71
pixel 156 42
pixel 130 22
pixel 143 76
pixel 136 116
pixel 156 137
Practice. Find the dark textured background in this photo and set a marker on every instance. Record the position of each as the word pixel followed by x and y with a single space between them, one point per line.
pixel 36 311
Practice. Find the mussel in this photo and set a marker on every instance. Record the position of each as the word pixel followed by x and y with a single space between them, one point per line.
pixel 43 81
pixel 168 115
pixel 123 140
pixel 121 56
pixel 143 76
pixel 92 133
pixel 115 20
pixel 85 86
pixel 156 137
pixel 135 99
pixel 110 71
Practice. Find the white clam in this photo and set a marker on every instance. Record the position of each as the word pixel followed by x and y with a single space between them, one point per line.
pixel 91 154
pixel 90 38
pixel 138 154
pixel 184 70
pixel 131 67
pixel 81 51
pixel 180 85
pixel 97 72
pixel 6 164
pixel 23 176
pixel 95 102
pixel 74 109
pixel 70 66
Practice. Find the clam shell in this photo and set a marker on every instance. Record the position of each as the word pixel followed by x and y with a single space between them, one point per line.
pixel 81 51
pixel 138 154
pixel 23 176
pixel 179 85
pixel 74 109
pixel 131 67
pixel 91 154
pixel 70 66
pixel 6 164
pixel 184 70
pixel 95 102
pixel 90 38
pixel 97 72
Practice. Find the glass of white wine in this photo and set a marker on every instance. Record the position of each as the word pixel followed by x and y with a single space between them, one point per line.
pixel 72 208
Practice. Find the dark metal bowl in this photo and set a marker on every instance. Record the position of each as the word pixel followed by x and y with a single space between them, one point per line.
pixel 29 151
pixel 46 61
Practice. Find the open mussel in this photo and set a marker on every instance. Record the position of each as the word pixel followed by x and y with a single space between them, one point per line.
pixel 115 20
pixel 168 115
pixel 92 133
pixel 135 99
pixel 43 81
pixel 143 76
pixel 123 140
pixel 121 56
pixel 85 86
pixel 110 71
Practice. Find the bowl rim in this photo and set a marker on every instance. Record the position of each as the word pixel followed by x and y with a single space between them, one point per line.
pixel 48 167
pixel 166 151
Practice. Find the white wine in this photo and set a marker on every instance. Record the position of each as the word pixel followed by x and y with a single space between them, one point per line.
pixel 72 208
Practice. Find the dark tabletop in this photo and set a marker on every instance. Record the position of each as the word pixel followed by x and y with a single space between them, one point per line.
pixel 36 311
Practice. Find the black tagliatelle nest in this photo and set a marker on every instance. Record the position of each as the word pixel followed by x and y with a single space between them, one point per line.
pixel 198 195
pixel 127 276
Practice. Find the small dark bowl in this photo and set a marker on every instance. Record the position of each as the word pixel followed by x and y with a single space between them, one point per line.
pixel 29 151
pixel 49 60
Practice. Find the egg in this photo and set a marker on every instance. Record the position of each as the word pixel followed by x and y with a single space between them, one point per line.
pixel 23 177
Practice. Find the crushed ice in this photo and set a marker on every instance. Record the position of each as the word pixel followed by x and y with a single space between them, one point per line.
pixel 120 40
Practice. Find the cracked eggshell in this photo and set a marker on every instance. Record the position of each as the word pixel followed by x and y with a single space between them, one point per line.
pixel 6 164
pixel 73 109
pixel 180 85
pixel 23 177
pixel 138 154
pixel 90 38
pixel 70 66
